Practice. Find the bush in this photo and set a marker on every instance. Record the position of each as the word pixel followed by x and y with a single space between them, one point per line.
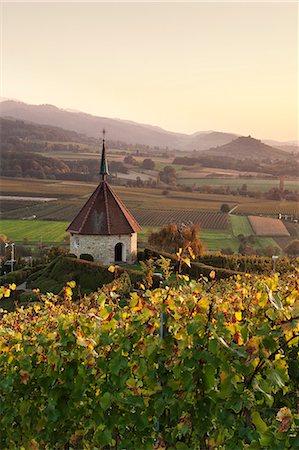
pixel 224 208
pixel 19 276
pixel 88 275
pixel 293 248
pixel 71 255
pixel 86 257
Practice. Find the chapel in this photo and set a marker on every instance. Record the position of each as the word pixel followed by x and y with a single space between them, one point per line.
pixel 104 228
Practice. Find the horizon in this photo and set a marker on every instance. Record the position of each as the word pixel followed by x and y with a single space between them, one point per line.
pixel 182 67
pixel 287 142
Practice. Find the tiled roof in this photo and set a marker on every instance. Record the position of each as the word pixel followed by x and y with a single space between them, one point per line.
pixel 104 213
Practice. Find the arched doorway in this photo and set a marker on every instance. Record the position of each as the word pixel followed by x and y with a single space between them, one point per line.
pixel 118 252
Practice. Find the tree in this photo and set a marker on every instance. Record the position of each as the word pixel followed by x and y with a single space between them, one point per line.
pixel 271 250
pixel 293 248
pixel 168 175
pixel 224 208
pixel 148 163
pixel 129 159
pixel 172 237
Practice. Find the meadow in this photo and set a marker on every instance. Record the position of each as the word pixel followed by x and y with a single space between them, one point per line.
pixel 34 231
pixel 241 225
pixel 253 184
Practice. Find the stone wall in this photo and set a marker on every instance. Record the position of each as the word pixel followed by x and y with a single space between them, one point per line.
pixel 102 247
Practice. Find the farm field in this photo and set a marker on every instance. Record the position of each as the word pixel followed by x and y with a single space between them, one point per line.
pixel 50 232
pixel 44 188
pixel 34 230
pixel 253 184
pixel 241 225
pixel 76 193
pixel 54 232
pixel 268 208
pixel 266 226
pixel 151 208
pixel 206 219
pixel 261 243
pixel 215 240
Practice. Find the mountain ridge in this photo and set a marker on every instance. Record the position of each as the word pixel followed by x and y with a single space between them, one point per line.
pixel 126 131
pixel 123 130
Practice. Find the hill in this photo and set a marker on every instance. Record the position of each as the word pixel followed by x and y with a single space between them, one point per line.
pixel 118 130
pixel 15 130
pixel 247 148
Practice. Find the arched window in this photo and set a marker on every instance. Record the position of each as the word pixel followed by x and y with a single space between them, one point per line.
pixel 118 252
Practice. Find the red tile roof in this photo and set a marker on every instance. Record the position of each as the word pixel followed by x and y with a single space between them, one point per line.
pixel 104 213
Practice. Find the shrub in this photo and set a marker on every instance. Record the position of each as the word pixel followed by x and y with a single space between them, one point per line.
pixel 224 208
pixel 293 248
pixel 71 255
pixel 86 257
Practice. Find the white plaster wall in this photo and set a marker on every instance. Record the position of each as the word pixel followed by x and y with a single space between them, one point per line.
pixel 102 247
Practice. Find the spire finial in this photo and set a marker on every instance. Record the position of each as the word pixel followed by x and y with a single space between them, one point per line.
pixel 104 164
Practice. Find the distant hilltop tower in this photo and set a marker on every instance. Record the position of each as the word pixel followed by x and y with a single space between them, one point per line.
pixel 104 228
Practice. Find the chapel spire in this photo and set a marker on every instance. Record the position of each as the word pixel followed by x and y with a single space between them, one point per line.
pixel 104 171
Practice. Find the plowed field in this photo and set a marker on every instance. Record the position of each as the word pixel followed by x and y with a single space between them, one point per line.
pixel 265 226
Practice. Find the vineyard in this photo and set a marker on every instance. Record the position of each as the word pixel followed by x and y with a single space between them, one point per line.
pixel 268 208
pixel 206 219
pixel 200 365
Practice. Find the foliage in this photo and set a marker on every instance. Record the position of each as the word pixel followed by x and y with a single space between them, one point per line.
pixel 250 264
pixel 88 275
pixel 225 208
pixel 53 252
pixel 168 175
pixel 172 237
pixel 19 276
pixel 86 257
pixel 92 374
pixel 185 265
pixel 148 163
pixel 293 248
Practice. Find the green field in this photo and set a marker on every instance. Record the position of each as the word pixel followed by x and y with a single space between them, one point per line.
pixel 241 225
pixel 253 184
pixel 33 230
pixel 216 240
pixel 36 231
pixel 264 242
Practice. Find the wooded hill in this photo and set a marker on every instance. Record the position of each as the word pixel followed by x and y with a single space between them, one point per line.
pixel 247 148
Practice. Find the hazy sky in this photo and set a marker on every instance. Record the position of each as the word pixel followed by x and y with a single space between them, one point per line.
pixel 183 66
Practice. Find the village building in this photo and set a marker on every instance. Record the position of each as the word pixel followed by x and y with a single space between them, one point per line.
pixel 104 228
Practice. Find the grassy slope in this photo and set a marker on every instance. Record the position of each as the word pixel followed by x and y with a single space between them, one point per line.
pixel 34 230
pixel 241 225
pixel 216 240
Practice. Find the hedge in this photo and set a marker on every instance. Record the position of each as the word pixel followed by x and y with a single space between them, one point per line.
pixel 19 276
pixel 88 275
pixel 249 264
pixel 196 268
